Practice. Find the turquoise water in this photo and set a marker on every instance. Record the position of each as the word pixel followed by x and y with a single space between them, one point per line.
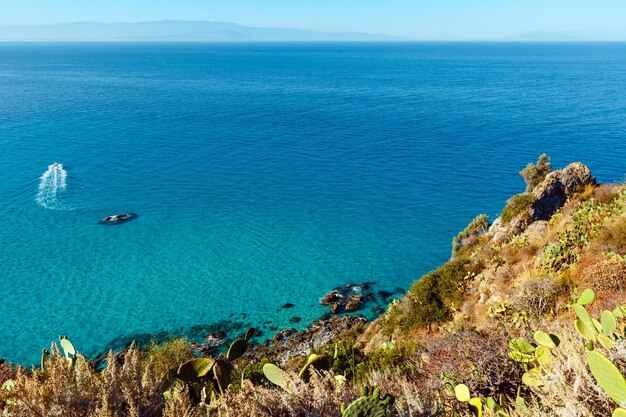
pixel 266 173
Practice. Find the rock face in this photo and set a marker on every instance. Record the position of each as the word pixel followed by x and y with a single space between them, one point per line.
pixel 549 196
pixel 552 193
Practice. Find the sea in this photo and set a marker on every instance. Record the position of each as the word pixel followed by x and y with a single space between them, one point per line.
pixel 266 173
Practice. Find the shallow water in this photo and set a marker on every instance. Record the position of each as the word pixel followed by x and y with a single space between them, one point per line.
pixel 266 173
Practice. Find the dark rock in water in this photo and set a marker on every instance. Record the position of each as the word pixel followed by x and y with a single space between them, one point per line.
pixel 288 305
pixel 283 334
pixel 101 361
pixel 295 319
pixel 347 298
pixel 378 310
pixel 400 290
pixel 202 349
pixel 331 298
pixel 355 302
pixel 214 339
pixel 385 294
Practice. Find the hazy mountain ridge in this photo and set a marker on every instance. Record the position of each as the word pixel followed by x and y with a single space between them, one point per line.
pixel 171 30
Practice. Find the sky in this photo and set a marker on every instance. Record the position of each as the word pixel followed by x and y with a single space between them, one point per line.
pixel 414 19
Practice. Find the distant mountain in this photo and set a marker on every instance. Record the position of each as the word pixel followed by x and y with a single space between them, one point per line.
pixel 170 30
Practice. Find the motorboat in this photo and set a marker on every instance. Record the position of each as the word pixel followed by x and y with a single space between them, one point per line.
pixel 118 218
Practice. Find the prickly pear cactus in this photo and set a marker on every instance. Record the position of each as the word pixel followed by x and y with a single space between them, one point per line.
pixel 275 375
pixel 369 405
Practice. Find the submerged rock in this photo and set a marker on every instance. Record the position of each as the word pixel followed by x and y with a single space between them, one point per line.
pixel 385 294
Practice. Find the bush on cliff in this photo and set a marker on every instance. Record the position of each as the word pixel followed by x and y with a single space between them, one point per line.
pixel 516 205
pixel 534 174
pixel 475 228
pixel 436 295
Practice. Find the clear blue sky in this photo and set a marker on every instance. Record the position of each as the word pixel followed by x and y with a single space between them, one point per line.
pixel 421 19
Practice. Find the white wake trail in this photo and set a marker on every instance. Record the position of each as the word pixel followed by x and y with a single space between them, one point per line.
pixel 51 184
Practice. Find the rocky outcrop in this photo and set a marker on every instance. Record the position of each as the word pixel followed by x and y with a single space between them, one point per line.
pixel 548 197
pixel 552 193
pixel 289 344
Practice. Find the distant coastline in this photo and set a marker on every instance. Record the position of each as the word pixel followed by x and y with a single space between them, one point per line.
pixel 209 31
pixel 172 31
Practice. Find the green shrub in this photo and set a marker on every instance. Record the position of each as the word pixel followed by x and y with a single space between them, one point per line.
pixel 161 357
pixel 478 226
pixel 516 205
pixel 436 294
pixel 253 371
pixel 535 174
pixel 397 358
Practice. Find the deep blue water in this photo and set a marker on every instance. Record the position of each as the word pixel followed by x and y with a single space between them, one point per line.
pixel 267 173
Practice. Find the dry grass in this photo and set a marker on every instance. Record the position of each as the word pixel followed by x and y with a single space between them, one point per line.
pixel 604 275
pixel 62 390
pixel 538 295
pixel 612 238
pixel 321 396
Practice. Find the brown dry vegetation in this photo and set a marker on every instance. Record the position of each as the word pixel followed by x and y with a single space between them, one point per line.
pixel 453 327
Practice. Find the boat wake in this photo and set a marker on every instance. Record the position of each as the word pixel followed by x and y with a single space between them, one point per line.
pixel 51 184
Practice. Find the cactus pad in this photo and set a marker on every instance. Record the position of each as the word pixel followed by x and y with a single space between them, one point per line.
pixel 249 334
pixel 547 340
pixel 237 349
pixel 608 376
pixel 194 369
pixel 68 347
pixel 586 297
pixel 223 371
pixel 522 346
pixel 319 362
pixel 275 375
pixel 368 405
pixel 609 324
pixel 462 393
